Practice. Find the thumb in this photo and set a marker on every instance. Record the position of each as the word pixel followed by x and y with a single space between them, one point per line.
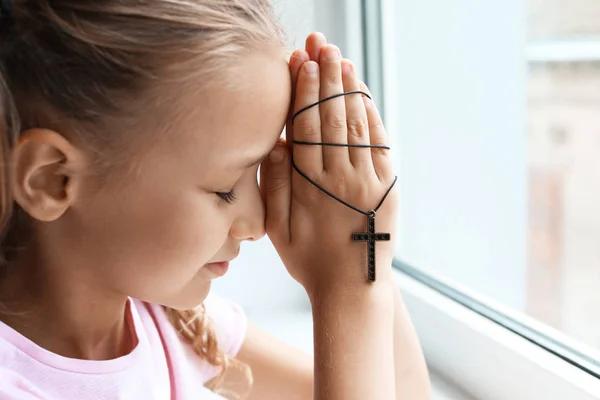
pixel 277 190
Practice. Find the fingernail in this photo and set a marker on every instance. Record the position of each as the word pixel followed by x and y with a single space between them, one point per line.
pixel 277 155
pixel 311 67
pixel 333 53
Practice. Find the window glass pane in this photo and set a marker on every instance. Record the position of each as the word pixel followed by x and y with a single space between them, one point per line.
pixel 563 164
pixel 497 110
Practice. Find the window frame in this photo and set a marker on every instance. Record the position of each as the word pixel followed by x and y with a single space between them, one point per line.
pixel 564 50
pixel 483 357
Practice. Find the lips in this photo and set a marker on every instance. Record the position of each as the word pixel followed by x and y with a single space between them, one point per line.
pixel 218 268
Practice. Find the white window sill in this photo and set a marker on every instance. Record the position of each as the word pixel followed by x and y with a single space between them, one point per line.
pixel 445 390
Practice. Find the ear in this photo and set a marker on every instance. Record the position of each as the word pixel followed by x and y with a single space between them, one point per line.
pixel 45 172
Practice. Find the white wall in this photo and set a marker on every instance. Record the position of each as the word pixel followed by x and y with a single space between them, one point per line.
pixel 459 109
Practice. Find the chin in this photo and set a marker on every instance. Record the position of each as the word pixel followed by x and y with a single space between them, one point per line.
pixel 190 297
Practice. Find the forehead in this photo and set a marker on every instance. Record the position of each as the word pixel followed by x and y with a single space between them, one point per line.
pixel 242 118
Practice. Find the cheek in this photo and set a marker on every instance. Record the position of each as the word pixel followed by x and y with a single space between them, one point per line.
pixel 159 240
pixel 180 233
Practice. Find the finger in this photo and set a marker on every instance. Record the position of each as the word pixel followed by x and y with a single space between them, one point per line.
pixel 356 119
pixel 278 194
pixel 382 160
pixel 297 59
pixel 307 124
pixel 333 112
pixel 314 42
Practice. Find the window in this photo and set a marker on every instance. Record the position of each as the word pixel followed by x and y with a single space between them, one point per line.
pixel 563 167
pixel 494 112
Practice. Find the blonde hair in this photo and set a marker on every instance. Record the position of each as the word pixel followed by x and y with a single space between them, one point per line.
pixel 74 66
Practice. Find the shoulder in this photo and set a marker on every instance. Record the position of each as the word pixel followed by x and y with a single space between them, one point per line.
pixel 226 318
pixel 16 387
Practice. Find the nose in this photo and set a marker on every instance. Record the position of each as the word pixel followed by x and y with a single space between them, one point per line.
pixel 250 223
pixel 248 229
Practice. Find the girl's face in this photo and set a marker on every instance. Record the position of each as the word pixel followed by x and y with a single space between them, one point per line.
pixel 154 238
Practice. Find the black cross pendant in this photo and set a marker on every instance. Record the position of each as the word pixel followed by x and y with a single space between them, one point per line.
pixel 371 237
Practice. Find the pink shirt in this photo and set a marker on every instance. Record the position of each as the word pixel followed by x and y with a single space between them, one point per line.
pixel 161 366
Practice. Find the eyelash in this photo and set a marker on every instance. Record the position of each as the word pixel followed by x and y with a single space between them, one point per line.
pixel 229 197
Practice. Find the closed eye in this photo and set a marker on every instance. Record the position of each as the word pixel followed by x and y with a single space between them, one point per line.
pixel 229 197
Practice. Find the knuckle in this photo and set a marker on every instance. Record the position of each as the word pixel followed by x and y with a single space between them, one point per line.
pixel 341 184
pixel 338 182
pixel 357 127
pixel 335 122
pixel 306 128
pixel 380 152
pixel 377 126
pixel 313 195
pixel 276 185
pixel 308 193
pixel 333 78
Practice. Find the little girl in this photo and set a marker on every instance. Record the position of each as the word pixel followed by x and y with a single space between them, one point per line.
pixel 131 136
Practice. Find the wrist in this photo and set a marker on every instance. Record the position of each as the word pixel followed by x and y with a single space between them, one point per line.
pixel 341 295
pixel 353 283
